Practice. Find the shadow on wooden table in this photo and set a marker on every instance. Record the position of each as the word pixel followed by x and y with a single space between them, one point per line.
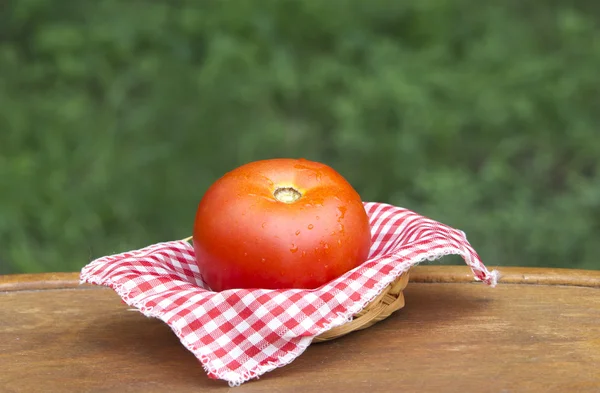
pixel 147 345
pixel 538 331
pixel 131 338
pixel 424 311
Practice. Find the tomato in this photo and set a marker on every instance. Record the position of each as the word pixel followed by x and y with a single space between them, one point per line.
pixel 279 223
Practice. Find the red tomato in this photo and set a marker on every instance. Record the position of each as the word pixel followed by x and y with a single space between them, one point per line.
pixel 279 223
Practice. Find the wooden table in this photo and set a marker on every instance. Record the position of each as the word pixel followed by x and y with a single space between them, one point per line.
pixel 537 331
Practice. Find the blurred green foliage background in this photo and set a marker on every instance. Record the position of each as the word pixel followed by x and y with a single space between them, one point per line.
pixel 116 115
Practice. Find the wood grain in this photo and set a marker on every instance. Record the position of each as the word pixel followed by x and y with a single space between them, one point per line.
pixel 509 275
pixel 421 274
pixel 18 282
pixel 452 336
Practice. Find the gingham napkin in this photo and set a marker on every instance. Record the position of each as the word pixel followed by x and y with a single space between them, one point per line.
pixel 241 334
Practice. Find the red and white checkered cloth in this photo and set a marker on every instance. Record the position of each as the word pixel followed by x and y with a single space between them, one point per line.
pixel 240 334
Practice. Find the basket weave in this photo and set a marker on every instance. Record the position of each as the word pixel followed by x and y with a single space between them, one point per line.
pixel 391 299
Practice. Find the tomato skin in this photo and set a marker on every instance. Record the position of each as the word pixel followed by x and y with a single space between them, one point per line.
pixel 244 237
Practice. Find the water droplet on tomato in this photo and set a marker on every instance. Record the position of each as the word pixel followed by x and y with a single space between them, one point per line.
pixel 342 211
pixel 341 228
pixel 317 217
pixel 297 232
pixel 303 253
pixel 339 242
pixel 310 226
pixel 269 181
pixel 294 248
pixel 245 254
pixel 326 246
pixel 263 260
pixel 264 224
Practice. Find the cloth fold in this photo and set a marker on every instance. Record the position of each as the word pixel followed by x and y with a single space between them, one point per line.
pixel 241 334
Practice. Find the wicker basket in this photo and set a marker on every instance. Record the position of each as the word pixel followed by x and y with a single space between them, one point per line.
pixel 391 299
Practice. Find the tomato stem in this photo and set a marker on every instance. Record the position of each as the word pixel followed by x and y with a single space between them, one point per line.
pixel 287 194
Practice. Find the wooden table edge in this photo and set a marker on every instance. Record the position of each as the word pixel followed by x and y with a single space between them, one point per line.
pixel 418 274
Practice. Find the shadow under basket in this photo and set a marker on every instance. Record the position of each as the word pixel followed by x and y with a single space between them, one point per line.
pixel 389 300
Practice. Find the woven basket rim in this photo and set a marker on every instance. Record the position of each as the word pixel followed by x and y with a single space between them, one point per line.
pixel 390 300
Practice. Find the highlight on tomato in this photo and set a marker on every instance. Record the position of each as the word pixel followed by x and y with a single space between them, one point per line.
pixel 277 224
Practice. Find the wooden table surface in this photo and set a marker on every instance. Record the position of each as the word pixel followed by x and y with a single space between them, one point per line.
pixel 537 331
